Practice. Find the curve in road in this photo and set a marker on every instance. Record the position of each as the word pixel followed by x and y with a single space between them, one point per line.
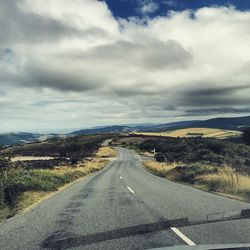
pixel 123 206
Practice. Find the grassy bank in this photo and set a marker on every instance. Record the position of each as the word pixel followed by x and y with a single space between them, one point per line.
pixel 20 187
pixel 222 180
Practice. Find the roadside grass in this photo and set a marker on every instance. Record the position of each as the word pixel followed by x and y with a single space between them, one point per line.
pixel 228 181
pixel 159 168
pixel 4 212
pixel 106 152
pixel 28 198
pixel 23 187
pixel 223 180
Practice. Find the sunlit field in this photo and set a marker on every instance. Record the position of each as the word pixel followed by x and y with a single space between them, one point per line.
pixel 194 132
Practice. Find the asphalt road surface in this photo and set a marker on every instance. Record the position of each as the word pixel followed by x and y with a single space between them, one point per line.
pixel 125 207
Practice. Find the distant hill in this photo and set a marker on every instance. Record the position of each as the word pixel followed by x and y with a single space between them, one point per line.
pixel 232 123
pixel 170 126
pixel 133 127
pixel 228 123
pixel 9 139
pixel 17 138
pixel 103 130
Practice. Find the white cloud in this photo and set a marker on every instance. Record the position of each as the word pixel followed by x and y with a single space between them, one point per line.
pixel 170 3
pixel 71 64
pixel 147 7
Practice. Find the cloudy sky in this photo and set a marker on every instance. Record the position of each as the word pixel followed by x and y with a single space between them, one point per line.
pixel 68 64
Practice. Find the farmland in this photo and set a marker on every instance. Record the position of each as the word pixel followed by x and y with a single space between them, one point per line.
pixel 195 132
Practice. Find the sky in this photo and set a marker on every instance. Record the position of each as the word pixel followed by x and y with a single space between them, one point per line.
pixel 67 65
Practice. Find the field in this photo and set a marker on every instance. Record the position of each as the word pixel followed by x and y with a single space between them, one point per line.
pixel 195 132
pixel 30 158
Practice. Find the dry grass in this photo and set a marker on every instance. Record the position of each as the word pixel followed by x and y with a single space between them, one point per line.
pixel 29 198
pixel 106 152
pixel 226 181
pixel 193 132
pixel 159 168
pixel 101 158
pixel 4 213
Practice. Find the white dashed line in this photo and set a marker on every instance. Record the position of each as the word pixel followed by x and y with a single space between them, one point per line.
pixel 120 177
pixel 182 236
pixel 131 190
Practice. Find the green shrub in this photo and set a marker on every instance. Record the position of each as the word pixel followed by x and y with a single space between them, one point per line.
pixel 202 150
pixel 160 157
pixel 20 180
pixel 246 135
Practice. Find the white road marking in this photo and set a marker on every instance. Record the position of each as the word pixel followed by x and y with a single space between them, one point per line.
pixel 131 190
pixel 120 177
pixel 182 236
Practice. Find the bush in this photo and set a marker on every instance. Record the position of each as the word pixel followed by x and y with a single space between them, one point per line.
pixel 246 135
pixel 202 150
pixel 20 180
pixel 4 164
pixel 160 157
pixel 247 162
pixel 1 190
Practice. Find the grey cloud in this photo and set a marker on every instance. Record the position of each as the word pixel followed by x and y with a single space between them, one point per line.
pixel 150 54
pixel 216 111
pixel 229 95
pixel 40 76
pixel 17 26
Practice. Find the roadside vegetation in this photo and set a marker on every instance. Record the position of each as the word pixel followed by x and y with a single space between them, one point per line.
pixel 224 179
pixel 207 163
pixel 23 183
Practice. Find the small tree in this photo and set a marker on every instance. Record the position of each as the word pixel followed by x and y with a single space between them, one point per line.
pixel 246 135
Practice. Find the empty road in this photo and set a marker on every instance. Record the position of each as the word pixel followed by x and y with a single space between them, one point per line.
pixel 125 207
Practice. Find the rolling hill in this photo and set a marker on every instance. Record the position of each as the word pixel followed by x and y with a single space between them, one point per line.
pixel 229 123
pixel 17 138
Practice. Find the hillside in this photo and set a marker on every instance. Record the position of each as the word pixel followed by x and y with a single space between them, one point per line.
pixel 232 123
pixel 102 130
pixel 227 123
pixel 17 138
